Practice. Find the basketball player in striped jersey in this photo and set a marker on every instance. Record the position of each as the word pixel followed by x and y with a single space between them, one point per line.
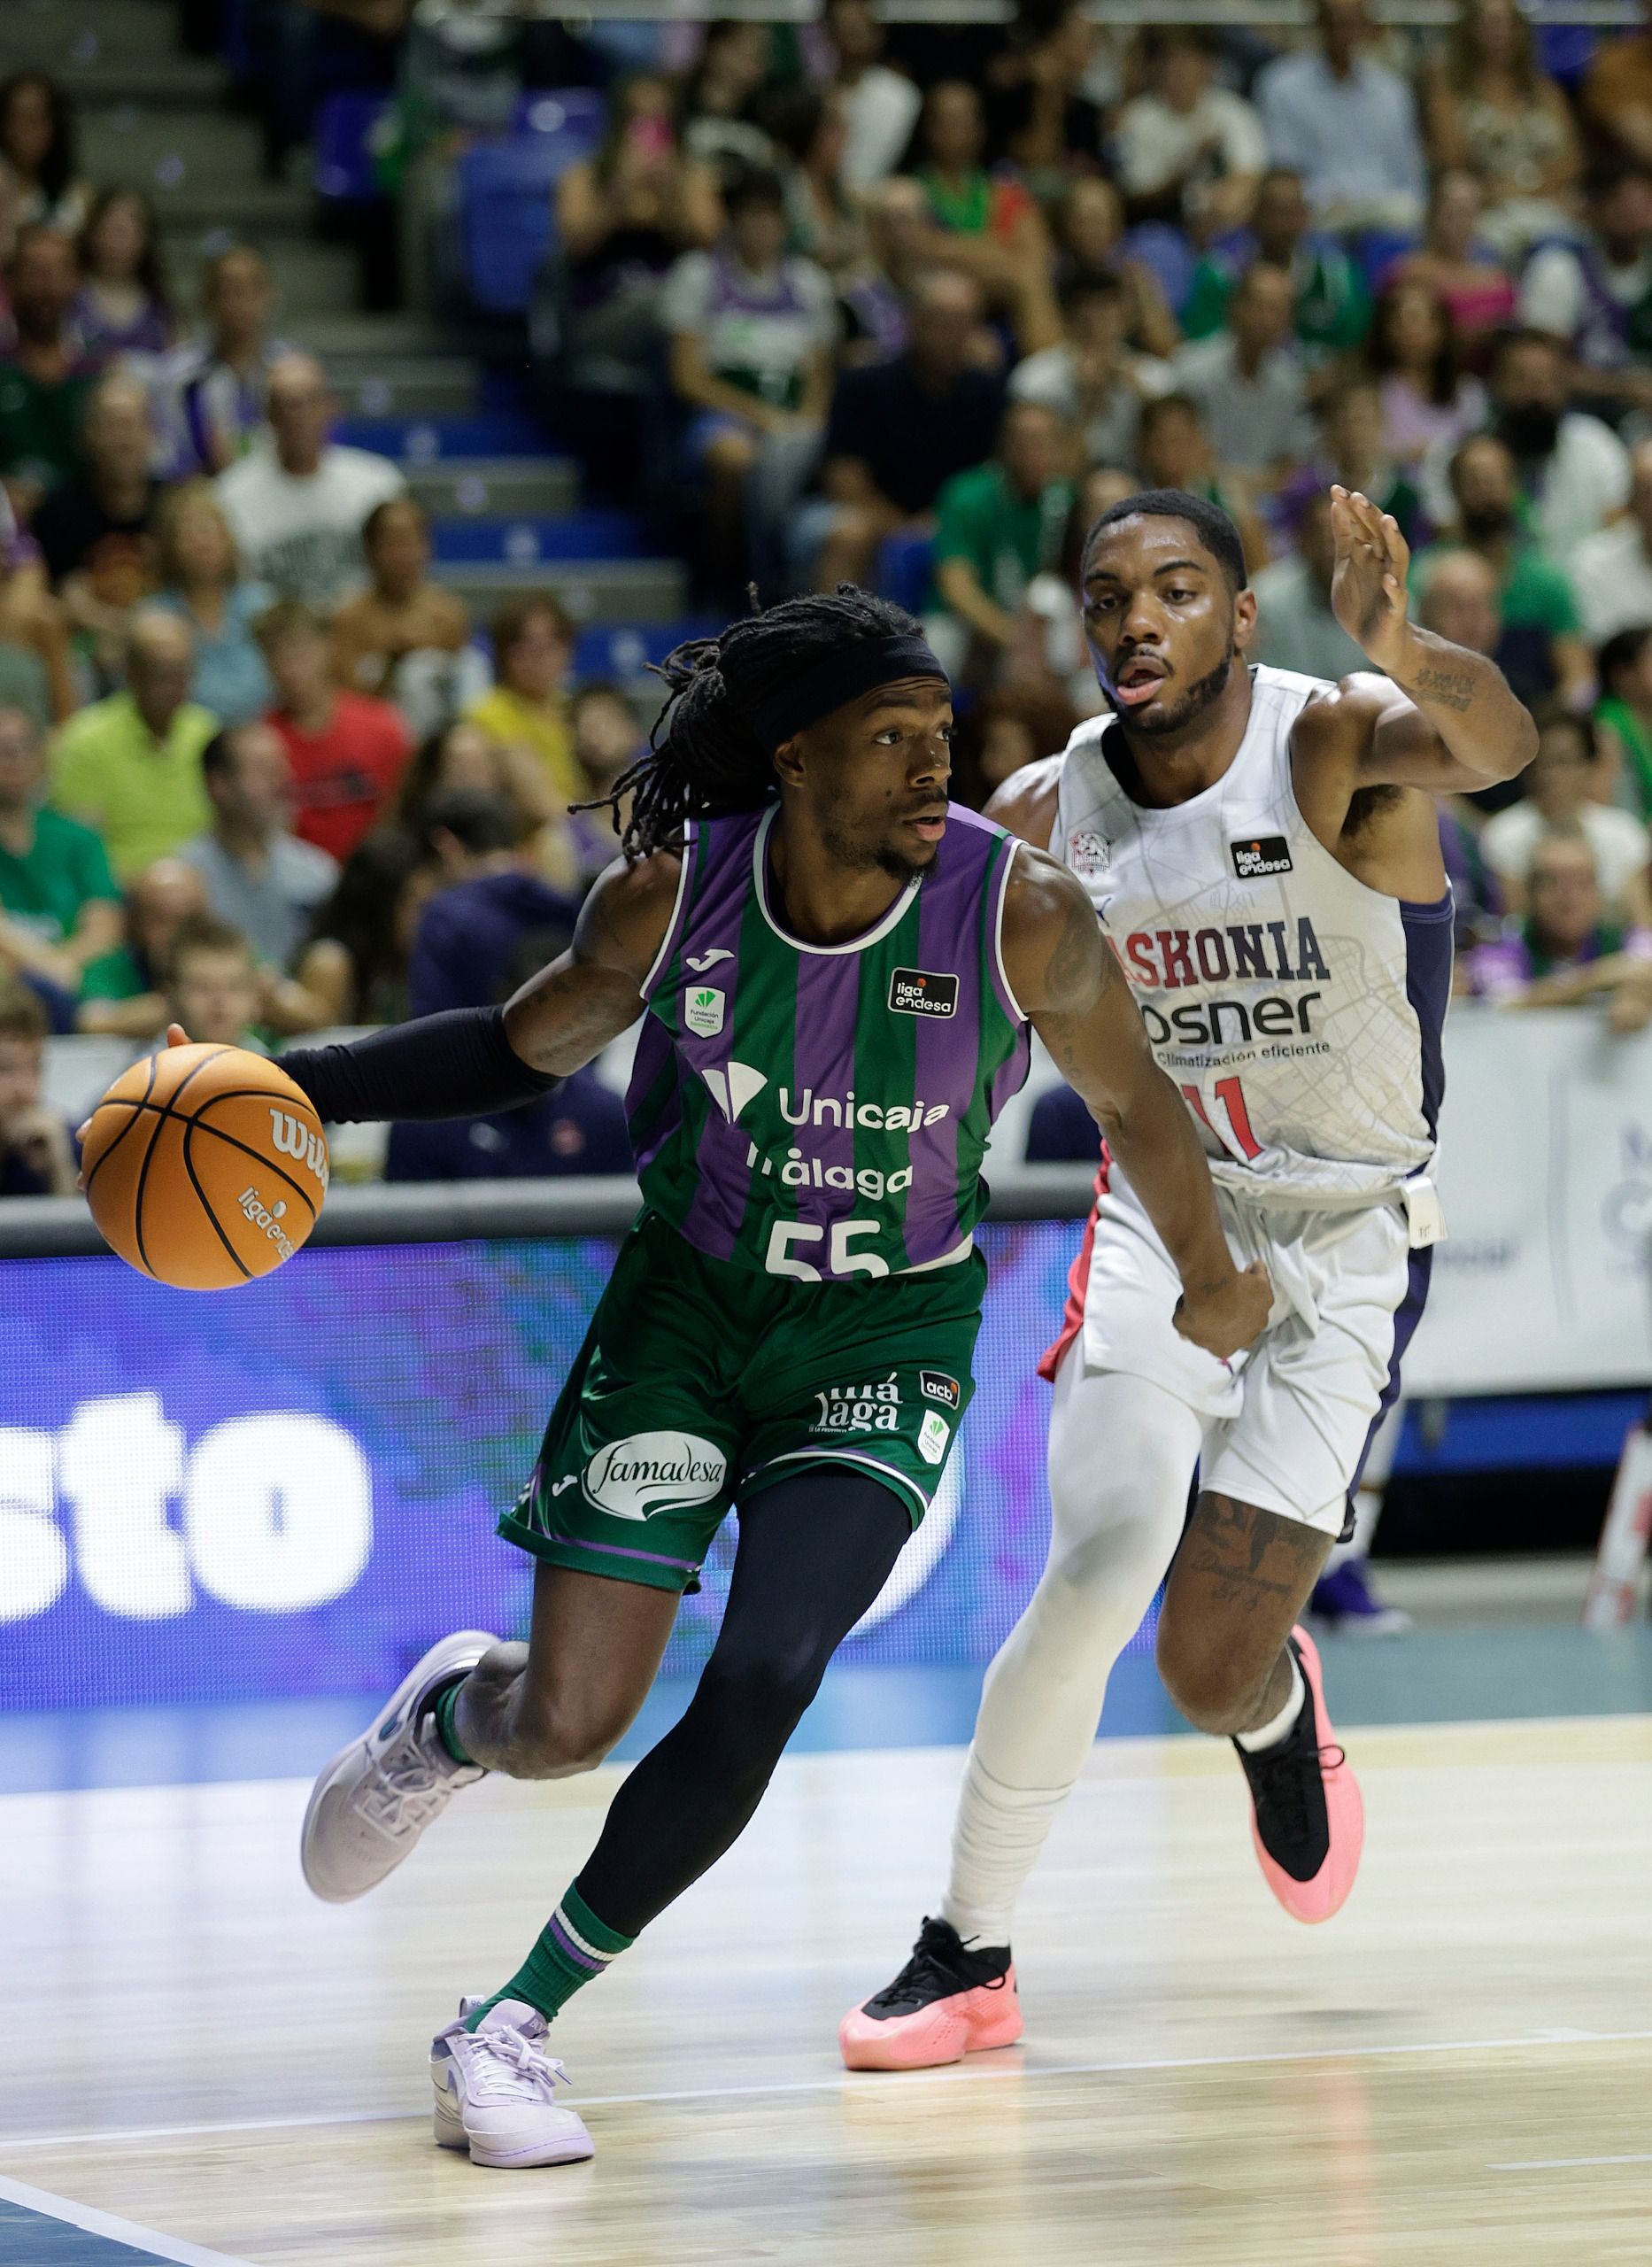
pixel 837 972
pixel 1263 854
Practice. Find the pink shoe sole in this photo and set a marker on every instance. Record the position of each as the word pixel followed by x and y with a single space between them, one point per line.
pixel 1327 1893
pixel 969 2023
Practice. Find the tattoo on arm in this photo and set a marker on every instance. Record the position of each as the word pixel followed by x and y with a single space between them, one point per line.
pixel 1074 959
pixel 1451 688
pixel 569 1018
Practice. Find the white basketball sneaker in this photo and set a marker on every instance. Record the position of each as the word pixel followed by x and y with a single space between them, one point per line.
pixel 496 2090
pixel 377 1795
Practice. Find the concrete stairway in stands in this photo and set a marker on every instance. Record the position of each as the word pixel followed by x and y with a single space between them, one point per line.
pixel 508 509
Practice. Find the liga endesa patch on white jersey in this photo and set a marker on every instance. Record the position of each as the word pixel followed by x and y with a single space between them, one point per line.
pixel 1261 856
pixel 1299 1011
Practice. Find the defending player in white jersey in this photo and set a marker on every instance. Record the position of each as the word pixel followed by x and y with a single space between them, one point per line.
pixel 1262 852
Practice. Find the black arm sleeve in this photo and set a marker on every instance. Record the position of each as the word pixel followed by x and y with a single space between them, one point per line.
pixel 458 1064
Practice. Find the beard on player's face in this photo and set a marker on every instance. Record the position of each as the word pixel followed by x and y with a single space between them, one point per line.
pixel 866 849
pixel 1162 717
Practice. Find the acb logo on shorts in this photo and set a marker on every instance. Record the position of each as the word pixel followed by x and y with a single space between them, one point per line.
pixel 934 1385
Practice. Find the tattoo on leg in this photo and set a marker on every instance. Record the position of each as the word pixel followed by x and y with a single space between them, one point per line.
pixel 1238 1582
pixel 1251 1558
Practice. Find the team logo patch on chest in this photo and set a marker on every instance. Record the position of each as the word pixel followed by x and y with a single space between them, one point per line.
pixel 703 1010
pixel 920 992
pixel 1088 853
pixel 1261 856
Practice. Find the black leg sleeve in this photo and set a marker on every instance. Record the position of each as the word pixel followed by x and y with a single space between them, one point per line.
pixel 814 1553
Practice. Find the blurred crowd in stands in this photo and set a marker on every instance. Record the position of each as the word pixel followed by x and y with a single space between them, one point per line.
pixel 905 304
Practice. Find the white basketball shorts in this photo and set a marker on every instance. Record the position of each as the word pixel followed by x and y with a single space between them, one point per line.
pixel 1288 1424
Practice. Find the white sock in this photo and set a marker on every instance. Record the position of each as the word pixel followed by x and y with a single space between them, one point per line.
pixel 1122 1453
pixel 999 1834
pixel 1274 1730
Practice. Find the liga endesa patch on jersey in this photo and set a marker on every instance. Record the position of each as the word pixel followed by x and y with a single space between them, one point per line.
pixel 918 992
pixel 1262 855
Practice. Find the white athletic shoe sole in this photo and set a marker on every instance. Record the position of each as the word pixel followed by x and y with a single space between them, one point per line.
pixel 563 2149
pixel 345 1852
pixel 516 2123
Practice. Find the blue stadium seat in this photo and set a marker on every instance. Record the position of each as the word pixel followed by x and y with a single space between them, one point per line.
pixel 903 570
pixel 504 195
pixel 1167 256
pixel 527 538
pixel 421 440
pixel 345 126
pixel 625 651
pixel 1566 50
pixel 571 115
pixel 1378 249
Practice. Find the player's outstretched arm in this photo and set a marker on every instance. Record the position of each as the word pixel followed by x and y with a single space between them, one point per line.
pixel 1066 978
pixel 472 1061
pixel 1442 718
pixel 594 991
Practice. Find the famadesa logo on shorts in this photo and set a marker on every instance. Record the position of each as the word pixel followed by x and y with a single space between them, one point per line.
pixel 647 1470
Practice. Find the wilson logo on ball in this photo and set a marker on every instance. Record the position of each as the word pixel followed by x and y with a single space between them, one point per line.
pixel 293 1139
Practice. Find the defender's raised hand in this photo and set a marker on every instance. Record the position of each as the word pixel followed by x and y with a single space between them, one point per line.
pixel 1368 592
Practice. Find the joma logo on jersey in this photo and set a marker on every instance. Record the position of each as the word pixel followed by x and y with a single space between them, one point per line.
pixel 917 992
pixel 1230 1023
pixel 1165 959
pixel 292 1138
pixel 1262 855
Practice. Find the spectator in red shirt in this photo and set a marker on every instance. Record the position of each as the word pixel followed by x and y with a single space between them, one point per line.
pixel 347 751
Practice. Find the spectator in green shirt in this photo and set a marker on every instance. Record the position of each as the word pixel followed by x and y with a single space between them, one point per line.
pixel 124 991
pixel 44 380
pixel 999 525
pixel 1625 665
pixel 131 765
pixel 1332 305
pixel 1539 611
pixel 59 908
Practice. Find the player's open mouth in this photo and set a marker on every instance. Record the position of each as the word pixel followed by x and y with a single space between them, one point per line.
pixel 930 824
pixel 1138 680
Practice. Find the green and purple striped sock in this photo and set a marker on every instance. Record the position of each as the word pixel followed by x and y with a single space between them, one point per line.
pixel 572 1947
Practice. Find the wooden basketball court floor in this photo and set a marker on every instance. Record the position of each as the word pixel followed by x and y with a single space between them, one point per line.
pixel 204 2064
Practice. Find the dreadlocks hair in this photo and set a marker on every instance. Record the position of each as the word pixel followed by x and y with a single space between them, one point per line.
pixel 705 758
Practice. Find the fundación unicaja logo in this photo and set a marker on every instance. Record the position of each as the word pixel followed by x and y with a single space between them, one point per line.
pixel 702 1011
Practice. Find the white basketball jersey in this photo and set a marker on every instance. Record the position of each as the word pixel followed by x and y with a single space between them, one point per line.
pixel 1299 1011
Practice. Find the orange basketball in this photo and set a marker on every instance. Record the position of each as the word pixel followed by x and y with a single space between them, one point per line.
pixel 205 1166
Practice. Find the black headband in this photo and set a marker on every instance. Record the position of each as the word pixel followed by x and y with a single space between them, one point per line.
pixel 859 666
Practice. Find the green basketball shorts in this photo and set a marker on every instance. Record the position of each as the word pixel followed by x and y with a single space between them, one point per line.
pixel 701 1383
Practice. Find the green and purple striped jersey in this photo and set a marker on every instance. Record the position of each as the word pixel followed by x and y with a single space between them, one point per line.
pixel 821 1111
